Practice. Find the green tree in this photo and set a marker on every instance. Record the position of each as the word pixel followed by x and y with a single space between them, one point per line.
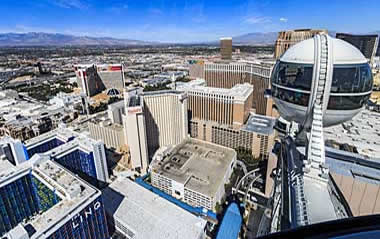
pixel 218 208
pixel 244 154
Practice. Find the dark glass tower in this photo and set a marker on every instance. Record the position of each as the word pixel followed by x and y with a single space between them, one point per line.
pixel 22 199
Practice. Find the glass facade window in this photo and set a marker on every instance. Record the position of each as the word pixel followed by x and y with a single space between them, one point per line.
pixel 366 78
pixel 46 197
pixel 79 162
pixel 347 102
pixel 296 76
pixel 21 200
pixel 291 96
pixel 51 144
pixel 335 102
pixel 352 79
pixel 346 78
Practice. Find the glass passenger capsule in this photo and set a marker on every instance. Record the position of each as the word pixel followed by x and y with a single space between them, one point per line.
pixel 292 82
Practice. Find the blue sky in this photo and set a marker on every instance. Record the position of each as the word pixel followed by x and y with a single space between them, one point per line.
pixel 187 20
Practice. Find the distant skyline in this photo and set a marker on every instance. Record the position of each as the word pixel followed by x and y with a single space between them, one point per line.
pixel 185 21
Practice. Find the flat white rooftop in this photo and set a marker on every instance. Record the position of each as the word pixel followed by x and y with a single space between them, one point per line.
pixel 147 215
pixel 11 107
pixel 61 132
pixel 80 140
pixel 238 92
pixel 198 165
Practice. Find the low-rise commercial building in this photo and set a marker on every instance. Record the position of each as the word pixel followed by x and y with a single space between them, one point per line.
pixel 22 119
pixel 65 100
pixel 194 171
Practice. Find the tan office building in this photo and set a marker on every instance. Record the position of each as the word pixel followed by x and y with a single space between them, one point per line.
pixel 166 119
pixel 286 39
pixel 224 106
pixel 111 134
pixel 229 75
pixel 226 48
pixel 196 70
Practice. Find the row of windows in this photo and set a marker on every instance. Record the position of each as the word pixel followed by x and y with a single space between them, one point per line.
pixel 296 76
pixel 18 201
pixel 350 79
pixel 197 200
pixel 162 183
pixel 79 162
pixel 193 129
pixel 346 78
pixel 207 95
pixel 335 102
pixel 51 144
pixel 245 69
pixel 196 195
pixel 291 96
pixel 231 138
pixel 347 102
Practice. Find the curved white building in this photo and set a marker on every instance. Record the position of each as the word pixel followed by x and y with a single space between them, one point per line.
pixel 346 86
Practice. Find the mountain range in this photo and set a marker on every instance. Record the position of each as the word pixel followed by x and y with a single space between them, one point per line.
pixel 256 38
pixel 57 39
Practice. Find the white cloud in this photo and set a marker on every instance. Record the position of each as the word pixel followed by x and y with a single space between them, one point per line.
pixel 283 19
pixel 258 20
pixel 80 4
